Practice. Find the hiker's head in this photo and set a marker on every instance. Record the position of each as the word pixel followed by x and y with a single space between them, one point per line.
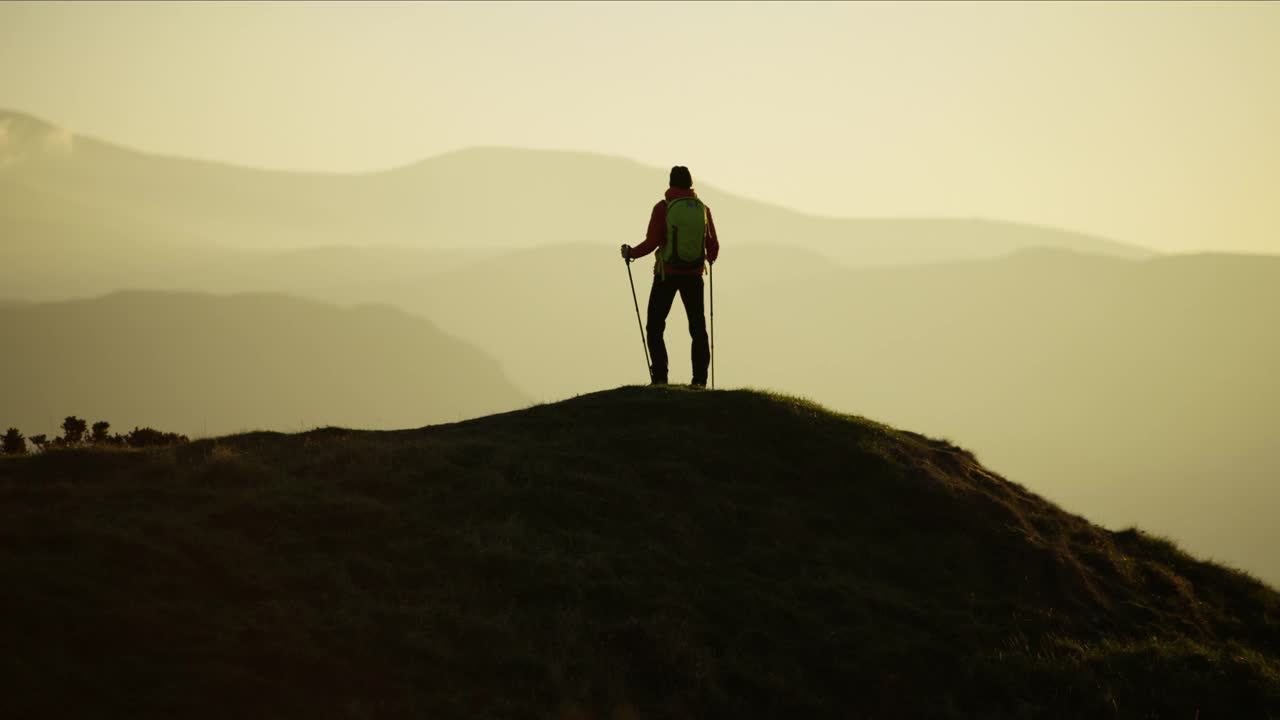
pixel 680 177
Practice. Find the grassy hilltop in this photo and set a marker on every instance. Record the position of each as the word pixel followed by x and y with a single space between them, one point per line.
pixel 633 553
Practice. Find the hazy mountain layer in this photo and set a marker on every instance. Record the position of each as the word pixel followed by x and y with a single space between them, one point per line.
pixel 206 364
pixel 67 200
pixel 572 561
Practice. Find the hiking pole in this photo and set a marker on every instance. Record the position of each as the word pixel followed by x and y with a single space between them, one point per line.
pixel 644 343
pixel 711 275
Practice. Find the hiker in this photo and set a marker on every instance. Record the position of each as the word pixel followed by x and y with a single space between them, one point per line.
pixel 682 232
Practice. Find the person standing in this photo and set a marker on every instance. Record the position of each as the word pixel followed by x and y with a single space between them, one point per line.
pixel 683 234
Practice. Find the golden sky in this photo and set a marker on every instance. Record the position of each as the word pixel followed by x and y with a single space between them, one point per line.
pixel 1153 123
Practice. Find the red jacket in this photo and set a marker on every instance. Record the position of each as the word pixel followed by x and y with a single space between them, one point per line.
pixel 657 235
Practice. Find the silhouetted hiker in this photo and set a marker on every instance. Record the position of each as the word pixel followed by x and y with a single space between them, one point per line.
pixel 681 230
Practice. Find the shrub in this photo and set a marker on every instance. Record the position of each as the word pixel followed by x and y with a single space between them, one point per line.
pixel 150 437
pixel 14 443
pixel 73 429
pixel 100 432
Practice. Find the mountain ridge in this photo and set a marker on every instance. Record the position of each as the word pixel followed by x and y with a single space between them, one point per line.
pixel 197 363
pixel 629 177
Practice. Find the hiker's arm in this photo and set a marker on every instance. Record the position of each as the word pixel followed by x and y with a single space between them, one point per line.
pixel 713 242
pixel 656 234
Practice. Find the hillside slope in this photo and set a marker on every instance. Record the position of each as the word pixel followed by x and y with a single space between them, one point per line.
pixel 1133 392
pixel 212 364
pixel 567 561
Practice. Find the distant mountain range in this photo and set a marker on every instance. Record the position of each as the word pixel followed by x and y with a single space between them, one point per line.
pixel 200 364
pixel 79 211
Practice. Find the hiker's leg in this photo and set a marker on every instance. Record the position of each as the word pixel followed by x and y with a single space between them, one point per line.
pixel 661 295
pixel 699 352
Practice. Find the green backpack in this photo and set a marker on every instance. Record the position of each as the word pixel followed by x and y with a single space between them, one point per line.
pixel 686 233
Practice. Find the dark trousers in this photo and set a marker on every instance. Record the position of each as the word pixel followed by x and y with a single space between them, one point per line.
pixel 661 296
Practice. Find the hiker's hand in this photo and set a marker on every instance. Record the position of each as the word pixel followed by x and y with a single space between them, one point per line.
pixel 626 252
